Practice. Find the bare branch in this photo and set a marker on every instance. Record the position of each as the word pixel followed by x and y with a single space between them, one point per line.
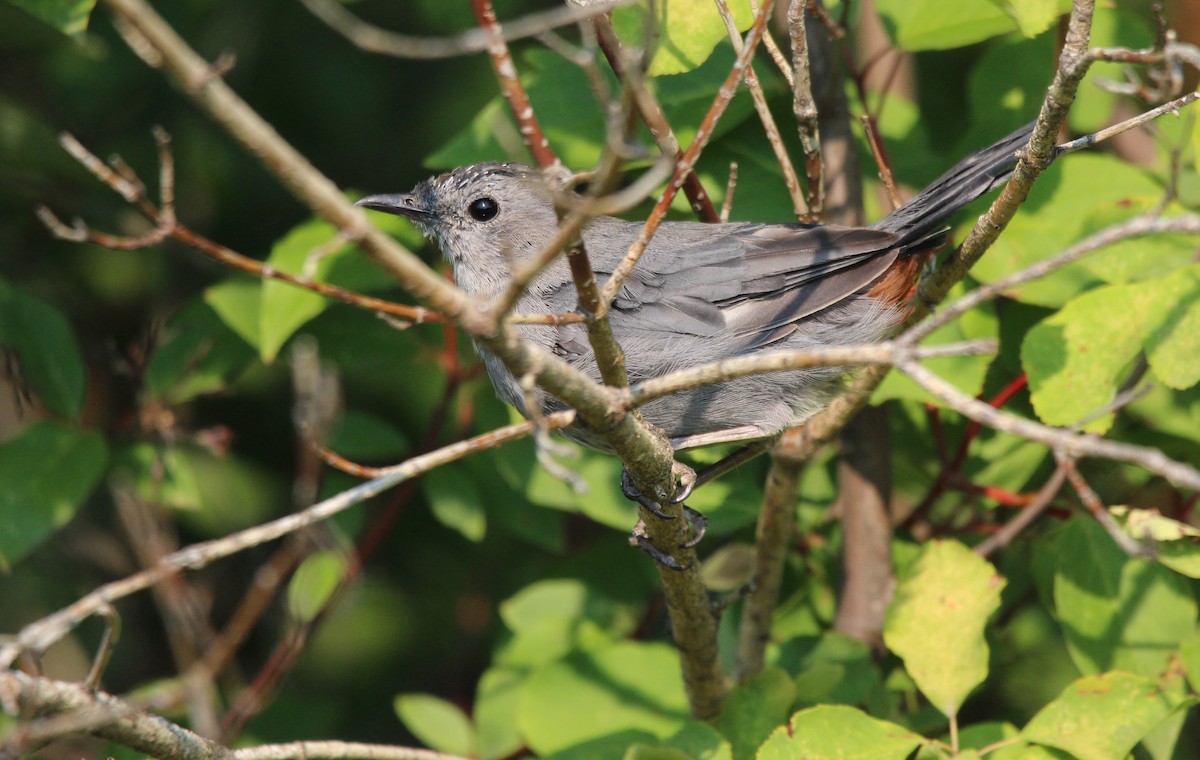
pixel 66 708
pixel 805 109
pixel 652 115
pixel 1031 511
pixel 511 87
pixel 374 39
pixel 1070 443
pixel 1146 224
pixel 764 115
pixel 772 536
pixel 887 353
pixel 725 94
pixel 41 634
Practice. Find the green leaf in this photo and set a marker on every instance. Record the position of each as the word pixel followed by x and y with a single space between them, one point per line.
pixel 936 619
pixel 304 251
pixel 688 31
pixel 1032 16
pixel 754 709
pixel 840 669
pixel 44 344
pixel 46 472
pixel 1189 657
pixel 938 25
pixel 200 355
pixel 1056 215
pixel 834 732
pixel 456 502
pixel 574 123
pixel 700 741
pixel 1117 612
pixel 67 16
pixel 237 302
pixel 1176 544
pixel 1101 717
pixel 496 699
pixel 314 582
pixel 551 618
pixel 439 724
pixel 628 686
pixel 1075 358
pixel 1172 328
pixel 1148 257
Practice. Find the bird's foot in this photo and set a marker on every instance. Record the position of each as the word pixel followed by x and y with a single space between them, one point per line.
pixel 686 478
pixel 697 522
pixel 641 540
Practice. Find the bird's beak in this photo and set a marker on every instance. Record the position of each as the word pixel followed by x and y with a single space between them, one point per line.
pixel 400 204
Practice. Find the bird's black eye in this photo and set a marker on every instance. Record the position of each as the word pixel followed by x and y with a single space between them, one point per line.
pixel 483 209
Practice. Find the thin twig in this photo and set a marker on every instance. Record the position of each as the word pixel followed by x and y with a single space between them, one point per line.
pixel 1014 527
pixel 805 109
pixel 374 39
pixel 724 95
pixel 886 353
pixel 511 87
pixel 881 160
pixel 1092 502
pixel 782 159
pixel 1068 442
pixel 652 115
pixel 41 634
pixel 1146 224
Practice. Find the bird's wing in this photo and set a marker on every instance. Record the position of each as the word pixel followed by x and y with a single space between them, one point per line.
pixel 747 280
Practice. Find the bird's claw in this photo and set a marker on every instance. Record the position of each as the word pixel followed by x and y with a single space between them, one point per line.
pixel 699 525
pixel 641 540
pixel 687 481
pixel 680 471
pixel 633 494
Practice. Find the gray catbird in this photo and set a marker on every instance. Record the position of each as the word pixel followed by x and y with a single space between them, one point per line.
pixel 701 292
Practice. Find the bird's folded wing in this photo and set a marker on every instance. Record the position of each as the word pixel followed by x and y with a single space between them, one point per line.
pixel 741 280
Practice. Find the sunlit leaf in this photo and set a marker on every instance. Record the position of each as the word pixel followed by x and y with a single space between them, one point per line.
pixel 441 725
pixel 67 16
pixel 314 582
pixel 833 732
pixel 687 31
pixel 938 24
pixel 936 619
pixel 1117 612
pixel 1101 717
pixel 629 686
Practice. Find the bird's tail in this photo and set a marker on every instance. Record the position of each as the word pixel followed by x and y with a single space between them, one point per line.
pixel 978 173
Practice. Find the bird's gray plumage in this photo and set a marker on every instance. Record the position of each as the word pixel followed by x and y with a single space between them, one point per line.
pixel 700 292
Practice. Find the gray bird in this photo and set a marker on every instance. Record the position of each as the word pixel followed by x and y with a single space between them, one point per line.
pixel 701 292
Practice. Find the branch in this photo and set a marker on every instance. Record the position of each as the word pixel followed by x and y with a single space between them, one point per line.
pixel 805 109
pixel 772 536
pixel 514 91
pixel 63 709
pixel 1069 442
pixel 764 115
pixel 886 353
pixel 652 115
pixel 38 636
pixel 374 39
pixel 725 94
